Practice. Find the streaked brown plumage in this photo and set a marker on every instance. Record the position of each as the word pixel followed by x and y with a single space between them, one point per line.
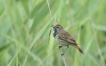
pixel 64 38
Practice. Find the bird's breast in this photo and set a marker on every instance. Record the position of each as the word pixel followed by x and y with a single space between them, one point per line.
pixel 61 42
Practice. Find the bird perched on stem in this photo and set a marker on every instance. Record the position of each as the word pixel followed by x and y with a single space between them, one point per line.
pixel 64 38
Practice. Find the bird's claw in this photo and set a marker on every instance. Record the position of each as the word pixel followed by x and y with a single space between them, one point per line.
pixel 62 54
pixel 60 47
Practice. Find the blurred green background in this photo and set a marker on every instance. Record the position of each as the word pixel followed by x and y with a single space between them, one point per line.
pixel 25 26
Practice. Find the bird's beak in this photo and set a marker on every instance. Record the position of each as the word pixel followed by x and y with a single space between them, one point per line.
pixel 53 26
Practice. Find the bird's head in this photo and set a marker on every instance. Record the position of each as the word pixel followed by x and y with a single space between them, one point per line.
pixel 57 28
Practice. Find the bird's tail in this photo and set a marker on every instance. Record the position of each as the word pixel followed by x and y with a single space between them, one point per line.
pixel 75 45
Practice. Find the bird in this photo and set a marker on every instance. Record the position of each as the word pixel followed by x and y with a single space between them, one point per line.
pixel 63 38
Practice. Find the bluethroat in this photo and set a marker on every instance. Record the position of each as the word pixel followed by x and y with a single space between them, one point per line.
pixel 64 38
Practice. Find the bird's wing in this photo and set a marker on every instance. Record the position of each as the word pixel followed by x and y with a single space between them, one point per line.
pixel 64 35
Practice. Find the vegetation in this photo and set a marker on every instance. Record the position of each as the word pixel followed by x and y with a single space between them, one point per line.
pixel 25 26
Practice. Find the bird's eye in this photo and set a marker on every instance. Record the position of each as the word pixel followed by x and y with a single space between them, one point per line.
pixel 57 27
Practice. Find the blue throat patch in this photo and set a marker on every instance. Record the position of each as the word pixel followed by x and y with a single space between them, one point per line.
pixel 54 31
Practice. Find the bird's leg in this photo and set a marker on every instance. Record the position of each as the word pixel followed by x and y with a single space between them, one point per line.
pixel 60 47
pixel 60 50
pixel 65 51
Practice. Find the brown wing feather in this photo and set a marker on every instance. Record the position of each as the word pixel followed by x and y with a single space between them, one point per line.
pixel 64 35
pixel 67 37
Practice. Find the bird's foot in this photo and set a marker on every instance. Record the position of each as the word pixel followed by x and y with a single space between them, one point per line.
pixel 62 54
pixel 60 47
